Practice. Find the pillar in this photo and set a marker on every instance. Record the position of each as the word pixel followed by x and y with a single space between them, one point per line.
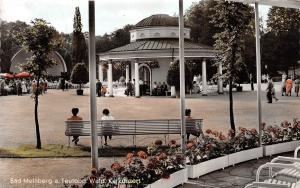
pixel 220 80
pixel 100 66
pixel 204 79
pixel 127 74
pixel 136 77
pixel 110 79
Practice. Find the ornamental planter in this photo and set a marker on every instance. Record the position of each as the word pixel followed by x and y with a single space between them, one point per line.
pixel 245 155
pixel 270 150
pixel 177 178
pixel 194 171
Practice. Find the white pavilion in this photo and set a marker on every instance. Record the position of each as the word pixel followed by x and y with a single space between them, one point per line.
pixel 155 38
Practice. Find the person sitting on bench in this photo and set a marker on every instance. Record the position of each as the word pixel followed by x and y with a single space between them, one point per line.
pixel 75 117
pixel 107 126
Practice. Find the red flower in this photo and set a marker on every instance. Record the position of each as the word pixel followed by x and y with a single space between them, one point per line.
pixel 117 167
pixel 222 137
pixel 94 171
pixel 162 156
pixel 208 131
pixel 189 145
pixel 142 155
pixel 129 155
pixel 158 142
pixel 172 142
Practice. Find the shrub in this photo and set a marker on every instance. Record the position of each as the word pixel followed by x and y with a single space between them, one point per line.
pixel 80 74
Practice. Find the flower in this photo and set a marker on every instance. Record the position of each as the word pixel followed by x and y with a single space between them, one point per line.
pixel 142 155
pixel 189 145
pixel 222 137
pixel 108 174
pixel 208 131
pixel 129 155
pixel 253 131
pixel 158 142
pixel 162 156
pixel 173 142
pixel 117 167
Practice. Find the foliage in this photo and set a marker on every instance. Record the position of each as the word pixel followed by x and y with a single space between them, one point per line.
pixel 116 39
pixel 40 40
pixel 215 144
pixel 284 132
pixel 197 17
pixel 173 76
pixel 280 45
pixel 233 20
pixel 80 74
pixel 9 44
pixel 79 50
pixel 139 169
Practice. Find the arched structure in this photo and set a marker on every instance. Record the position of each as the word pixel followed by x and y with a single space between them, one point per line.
pixel 21 56
pixel 150 75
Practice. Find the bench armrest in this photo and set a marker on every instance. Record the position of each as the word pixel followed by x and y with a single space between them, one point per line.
pixel 286 159
pixel 265 185
pixel 273 165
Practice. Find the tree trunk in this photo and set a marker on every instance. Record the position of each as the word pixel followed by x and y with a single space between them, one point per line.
pixel 37 126
pixel 232 124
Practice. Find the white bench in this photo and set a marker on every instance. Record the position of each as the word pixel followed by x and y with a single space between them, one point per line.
pixel 132 127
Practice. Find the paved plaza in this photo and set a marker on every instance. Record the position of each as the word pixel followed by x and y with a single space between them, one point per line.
pixel 17 127
pixel 17 114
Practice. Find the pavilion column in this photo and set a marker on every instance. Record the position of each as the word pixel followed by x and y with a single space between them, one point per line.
pixel 110 79
pixel 127 74
pixel 137 76
pixel 204 80
pixel 220 80
pixel 100 66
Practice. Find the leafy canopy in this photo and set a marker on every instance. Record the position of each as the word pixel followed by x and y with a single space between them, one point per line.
pixel 40 40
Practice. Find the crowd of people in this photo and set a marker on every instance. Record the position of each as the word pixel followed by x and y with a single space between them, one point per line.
pixel 22 86
pixel 287 85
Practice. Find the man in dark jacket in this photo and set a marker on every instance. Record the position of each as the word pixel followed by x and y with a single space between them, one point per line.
pixel 98 88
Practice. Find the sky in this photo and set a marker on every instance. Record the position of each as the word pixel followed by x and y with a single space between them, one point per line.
pixel 110 14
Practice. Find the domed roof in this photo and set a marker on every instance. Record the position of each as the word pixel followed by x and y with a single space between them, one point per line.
pixel 158 20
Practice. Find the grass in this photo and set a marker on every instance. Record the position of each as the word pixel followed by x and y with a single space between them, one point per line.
pixel 55 150
pixel 49 150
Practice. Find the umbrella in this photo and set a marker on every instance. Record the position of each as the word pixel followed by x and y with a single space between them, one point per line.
pixel 7 75
pixel 23 75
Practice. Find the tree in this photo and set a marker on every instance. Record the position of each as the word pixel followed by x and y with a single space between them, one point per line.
pixel 173 76
pixel 79 52
pixel 80 74
pixel 233 20
pixel 281 42
pixel 9 44
pixel 197 17
pixel 40 40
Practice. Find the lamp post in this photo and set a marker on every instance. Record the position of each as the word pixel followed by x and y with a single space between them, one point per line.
pixel 92 70
pixel 182 76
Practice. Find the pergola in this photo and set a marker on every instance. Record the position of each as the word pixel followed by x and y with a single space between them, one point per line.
pixel 279 3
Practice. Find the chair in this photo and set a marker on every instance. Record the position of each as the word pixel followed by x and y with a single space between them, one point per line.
pixel 272 182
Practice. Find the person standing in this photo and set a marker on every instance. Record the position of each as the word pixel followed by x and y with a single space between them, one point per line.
pixel 251 82
pixel 283 89
pixel 269 91
pixel 273 90
pixel 289 86
pixel 98 88
pixel 107 125
pixel 297 86
pixel 75 117
pixel 24 87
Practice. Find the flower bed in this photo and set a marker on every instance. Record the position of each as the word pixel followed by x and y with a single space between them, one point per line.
pixel 197 170
pixel 245 155
pixel 216 151
pixel 281 138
